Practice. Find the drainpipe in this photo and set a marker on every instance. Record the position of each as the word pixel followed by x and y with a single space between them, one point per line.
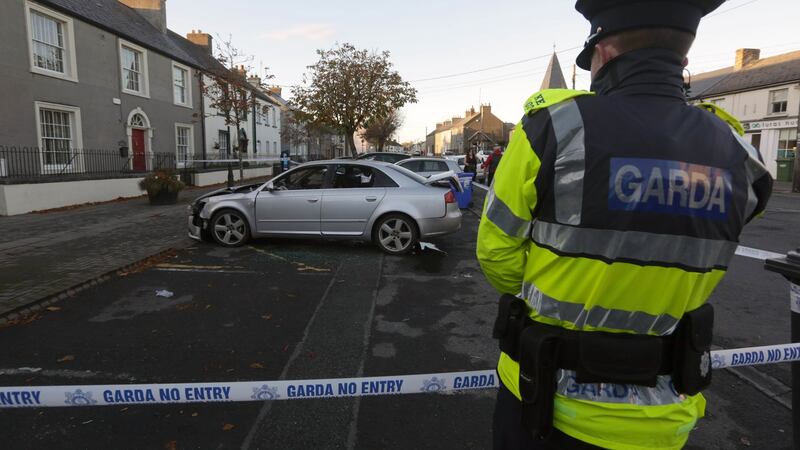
pixel 254 127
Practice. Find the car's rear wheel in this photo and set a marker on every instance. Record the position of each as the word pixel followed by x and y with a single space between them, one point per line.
pixel 396 234
pixel 229 228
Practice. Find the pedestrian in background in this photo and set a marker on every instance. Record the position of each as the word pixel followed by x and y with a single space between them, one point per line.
pixel 471 162
pixel 491 164
pixel 599 199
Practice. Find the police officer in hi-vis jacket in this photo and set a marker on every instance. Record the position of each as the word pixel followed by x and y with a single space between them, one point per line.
pixel 612 217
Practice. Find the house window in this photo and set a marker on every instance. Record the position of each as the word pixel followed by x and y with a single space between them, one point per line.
pixel 787 143
pixel 275 148
pixel 258 115
pixel 134 69
pixel 223 141
pixel 778 100
pixel 181 87
pixel 59 136
pixel 258 146
pixel 274 113
pixel 52 43
pixel 184 149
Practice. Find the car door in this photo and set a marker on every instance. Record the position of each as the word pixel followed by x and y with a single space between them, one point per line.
pixel 293 205
pixel 353 195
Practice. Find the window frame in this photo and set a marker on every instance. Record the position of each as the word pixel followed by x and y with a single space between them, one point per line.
pixel 189 146
pixel 70 60
pixel 188 84
pixel 144 82
pixel 772 102
pixel 76 139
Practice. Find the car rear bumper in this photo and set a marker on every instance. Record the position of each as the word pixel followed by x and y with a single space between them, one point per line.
pixel 450 223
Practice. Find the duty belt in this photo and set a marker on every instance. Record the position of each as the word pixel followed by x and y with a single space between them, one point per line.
pixel 599 357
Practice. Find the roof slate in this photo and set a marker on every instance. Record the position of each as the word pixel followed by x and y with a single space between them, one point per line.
pixel 765 72
pixel 123 21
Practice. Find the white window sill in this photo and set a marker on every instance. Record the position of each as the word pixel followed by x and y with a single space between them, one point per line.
pixel 138 94
pixel 53 74
pixel 183 105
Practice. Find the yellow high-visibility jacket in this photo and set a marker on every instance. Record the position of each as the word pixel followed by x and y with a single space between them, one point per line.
pixel 619 214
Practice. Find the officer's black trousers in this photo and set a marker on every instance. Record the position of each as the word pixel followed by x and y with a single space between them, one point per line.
pixel 509 434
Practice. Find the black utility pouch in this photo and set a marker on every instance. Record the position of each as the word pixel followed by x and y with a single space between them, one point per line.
pixel 618 358
pixel 692 352
pixel 512 316
pixel 538 363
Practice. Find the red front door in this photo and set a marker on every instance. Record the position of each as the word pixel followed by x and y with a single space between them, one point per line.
pixel 139 162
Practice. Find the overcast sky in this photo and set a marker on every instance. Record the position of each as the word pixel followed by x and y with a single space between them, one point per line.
pixel 432 39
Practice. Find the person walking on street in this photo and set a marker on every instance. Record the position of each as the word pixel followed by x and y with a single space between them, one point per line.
pixel 471 162
pixel 600 197
pixel 490 165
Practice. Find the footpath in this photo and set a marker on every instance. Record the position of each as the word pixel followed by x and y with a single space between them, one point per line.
pixel 45 254
pixel 53 253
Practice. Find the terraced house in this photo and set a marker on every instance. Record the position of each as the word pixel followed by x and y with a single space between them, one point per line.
pixel 95 94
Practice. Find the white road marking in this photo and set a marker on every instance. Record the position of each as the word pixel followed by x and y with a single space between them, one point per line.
pixel 756 253
pixel 65 373
pixel 480 185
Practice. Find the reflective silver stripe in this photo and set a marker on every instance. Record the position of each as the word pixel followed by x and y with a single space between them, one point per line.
pixel 502 216
pixel 615 319
pixel 662 394
pixel 754 170
pixel 635 245
pixel 570 163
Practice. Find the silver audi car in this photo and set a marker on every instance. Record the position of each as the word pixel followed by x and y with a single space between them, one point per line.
pixel 366 200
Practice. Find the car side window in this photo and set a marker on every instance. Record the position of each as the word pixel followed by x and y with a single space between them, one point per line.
pixel 413 166
pixel 353 176
pixel 309 178
pixel 382 180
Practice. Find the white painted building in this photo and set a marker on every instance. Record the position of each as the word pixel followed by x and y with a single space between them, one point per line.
pixel 764 94
pixel 262 128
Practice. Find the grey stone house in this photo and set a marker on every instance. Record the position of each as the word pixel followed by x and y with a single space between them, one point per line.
pixel 94 86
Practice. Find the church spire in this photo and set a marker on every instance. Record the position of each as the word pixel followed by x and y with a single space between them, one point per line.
pixel 554 78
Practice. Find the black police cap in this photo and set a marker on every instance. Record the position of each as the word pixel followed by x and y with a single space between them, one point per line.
pixel 612 16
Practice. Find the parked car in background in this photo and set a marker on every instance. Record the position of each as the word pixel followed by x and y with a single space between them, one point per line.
pixel 364 200
pixel 459 159
pixel 428 167
pixel 388 157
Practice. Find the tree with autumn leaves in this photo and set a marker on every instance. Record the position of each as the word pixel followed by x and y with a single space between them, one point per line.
pixel 231 93
pixel 350 89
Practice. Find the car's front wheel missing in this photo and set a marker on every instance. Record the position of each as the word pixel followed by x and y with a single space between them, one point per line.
pixel 229 228
pixel 396 234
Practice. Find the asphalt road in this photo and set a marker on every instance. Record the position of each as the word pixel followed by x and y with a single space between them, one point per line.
pixel 303 310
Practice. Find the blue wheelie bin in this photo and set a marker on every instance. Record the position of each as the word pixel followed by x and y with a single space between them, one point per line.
pixel 464 198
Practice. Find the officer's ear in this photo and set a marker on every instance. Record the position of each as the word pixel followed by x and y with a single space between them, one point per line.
pixel 685 61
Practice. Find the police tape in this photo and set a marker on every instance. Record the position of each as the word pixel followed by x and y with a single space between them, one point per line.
pixel 246 391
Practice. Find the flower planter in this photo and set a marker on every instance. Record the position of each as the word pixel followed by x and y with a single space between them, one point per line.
pixel 163 198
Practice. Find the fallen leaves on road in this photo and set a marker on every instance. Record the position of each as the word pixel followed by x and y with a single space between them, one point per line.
pixel 195 414
pixel 67 358
pixel 53 308
pixel 228 427
pixel 256 366
pixel 267 316
pixel 745 441
pixel 147 263
pixel 301 267
pixel 22 319
pixel 171 445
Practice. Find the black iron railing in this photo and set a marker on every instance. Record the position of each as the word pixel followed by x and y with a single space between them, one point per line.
pixel 20 164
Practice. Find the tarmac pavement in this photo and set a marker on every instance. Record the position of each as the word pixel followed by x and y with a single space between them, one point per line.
pixel 302 310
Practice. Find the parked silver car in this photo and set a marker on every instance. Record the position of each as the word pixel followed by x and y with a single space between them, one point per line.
pixel 427 167
pixel 366 200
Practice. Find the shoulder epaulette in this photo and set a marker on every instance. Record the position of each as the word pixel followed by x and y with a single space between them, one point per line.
pixel 724 115
pixel 550 97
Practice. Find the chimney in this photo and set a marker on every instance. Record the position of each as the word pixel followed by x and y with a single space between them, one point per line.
pixel 255 80
pixel 455 119
pixel 746 57
pixel 275 90
pixel 486 109
pixel 201 40
pixel 154 11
